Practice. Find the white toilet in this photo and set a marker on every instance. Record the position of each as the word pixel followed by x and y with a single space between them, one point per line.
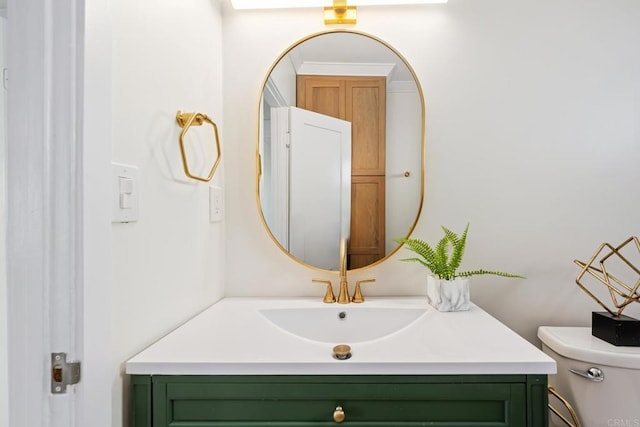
pixel 600 380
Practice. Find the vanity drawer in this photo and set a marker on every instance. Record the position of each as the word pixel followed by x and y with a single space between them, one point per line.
pixel 239 401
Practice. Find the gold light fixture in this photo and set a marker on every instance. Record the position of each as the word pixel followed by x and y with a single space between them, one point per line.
pixel 340 13
pixel 335 11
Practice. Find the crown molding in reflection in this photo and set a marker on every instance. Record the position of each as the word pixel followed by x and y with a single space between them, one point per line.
pixel 345 69
pixel 273 95
pixel 402 87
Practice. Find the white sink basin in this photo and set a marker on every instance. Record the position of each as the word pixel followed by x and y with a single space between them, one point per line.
pixel 344 325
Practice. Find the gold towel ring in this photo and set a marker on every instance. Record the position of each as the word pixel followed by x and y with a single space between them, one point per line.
pixel 186 120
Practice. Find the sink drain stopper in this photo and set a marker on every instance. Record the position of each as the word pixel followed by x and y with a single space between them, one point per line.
pixel 342 352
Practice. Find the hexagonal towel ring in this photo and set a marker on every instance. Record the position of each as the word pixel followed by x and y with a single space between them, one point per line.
pixel 186 120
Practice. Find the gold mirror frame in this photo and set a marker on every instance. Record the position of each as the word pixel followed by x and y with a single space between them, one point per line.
pixel 258 171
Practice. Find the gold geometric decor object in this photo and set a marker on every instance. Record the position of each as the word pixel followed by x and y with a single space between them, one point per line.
pixel 599 267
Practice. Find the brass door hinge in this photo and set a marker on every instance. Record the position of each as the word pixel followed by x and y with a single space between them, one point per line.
pixel 63 373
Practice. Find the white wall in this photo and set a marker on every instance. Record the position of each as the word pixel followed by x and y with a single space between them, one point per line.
pixel 532 136
pixel 169 265
pixel 99 370
pixel 4 373
pixel 403 154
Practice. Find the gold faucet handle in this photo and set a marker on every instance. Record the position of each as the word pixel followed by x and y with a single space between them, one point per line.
pixel 328 296
pixel 357 295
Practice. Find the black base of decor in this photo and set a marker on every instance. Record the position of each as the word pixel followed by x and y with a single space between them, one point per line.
pixel 618 330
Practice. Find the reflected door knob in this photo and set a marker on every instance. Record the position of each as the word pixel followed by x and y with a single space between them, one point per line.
pixel 338 414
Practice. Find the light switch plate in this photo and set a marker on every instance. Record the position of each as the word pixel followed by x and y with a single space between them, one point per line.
pixel 216 204
pixel 126 191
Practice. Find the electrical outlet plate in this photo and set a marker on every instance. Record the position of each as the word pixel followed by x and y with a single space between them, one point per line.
pixel 216 204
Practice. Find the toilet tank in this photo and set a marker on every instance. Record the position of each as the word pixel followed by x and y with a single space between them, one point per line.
pixel 610 401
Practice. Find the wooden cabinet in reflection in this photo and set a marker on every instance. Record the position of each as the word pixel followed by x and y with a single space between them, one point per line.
pixel 361 101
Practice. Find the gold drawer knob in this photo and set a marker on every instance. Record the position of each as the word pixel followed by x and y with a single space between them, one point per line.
pixel 338 414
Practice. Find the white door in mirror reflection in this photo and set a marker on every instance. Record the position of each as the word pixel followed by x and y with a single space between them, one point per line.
pixel 315 194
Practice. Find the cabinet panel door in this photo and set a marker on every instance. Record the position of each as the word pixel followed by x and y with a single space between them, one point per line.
pixel 377 405
pixel 367 244
pixel 366 110
pixel 322 95
pixel 361 100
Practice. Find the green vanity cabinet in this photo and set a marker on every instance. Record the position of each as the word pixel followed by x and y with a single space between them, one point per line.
pixel 310 400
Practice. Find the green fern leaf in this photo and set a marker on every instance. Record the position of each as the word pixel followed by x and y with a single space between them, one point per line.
pixel 442 259
pixel 421 248
pixel 445 259
pixel 459 243
pixel 421 261
pixel 495 273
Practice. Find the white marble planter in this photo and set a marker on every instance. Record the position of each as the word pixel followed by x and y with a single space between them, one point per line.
pixel 448 295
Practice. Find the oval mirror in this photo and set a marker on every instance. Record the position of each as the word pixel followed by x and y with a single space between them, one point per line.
pixel 340 150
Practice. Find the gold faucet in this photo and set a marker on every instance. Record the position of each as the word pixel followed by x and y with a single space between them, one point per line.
pixel 357 294
pixel 328 295
pixel 343 296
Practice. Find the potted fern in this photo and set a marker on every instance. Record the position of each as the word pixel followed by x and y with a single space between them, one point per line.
pixel 447 288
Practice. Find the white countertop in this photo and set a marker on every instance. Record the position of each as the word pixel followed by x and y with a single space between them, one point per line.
pixel 233 338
